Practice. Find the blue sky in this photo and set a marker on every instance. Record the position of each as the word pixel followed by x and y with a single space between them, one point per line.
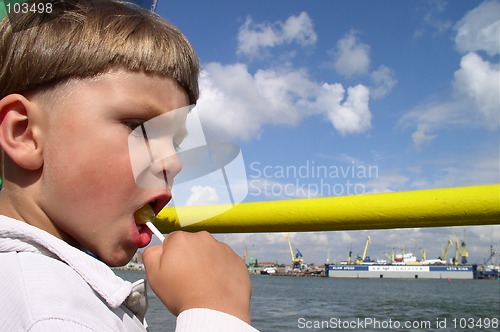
pixel 409 88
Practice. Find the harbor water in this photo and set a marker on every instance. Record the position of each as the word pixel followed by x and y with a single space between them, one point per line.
pixel 323 304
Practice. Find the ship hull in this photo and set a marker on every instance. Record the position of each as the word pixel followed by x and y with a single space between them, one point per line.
pixel 400 271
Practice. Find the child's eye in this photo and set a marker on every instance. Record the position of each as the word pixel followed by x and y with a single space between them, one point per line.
pixel 133 124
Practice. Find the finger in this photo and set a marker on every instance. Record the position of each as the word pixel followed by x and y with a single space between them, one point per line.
pixel 151 257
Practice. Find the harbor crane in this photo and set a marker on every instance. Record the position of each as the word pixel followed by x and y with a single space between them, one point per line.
pixel 423 252
pixel 391 257
pixel 252 262
pixel 245 254
pixel 463 250
pixel 364 258
pixel 445 251
pixel 492 254
pixel 297 258
pixel 349 258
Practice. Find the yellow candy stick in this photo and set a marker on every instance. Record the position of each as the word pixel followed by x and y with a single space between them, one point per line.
pixel 145 216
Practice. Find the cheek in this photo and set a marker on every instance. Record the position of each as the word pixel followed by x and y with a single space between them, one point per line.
pixel 89 171
pixel 87 192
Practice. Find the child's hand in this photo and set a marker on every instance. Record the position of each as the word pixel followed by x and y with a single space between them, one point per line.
pixel 194 270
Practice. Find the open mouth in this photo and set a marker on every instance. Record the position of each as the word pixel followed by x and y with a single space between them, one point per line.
pixel 144 215
pixel 148 211
pixel 144 218
pixel 159 202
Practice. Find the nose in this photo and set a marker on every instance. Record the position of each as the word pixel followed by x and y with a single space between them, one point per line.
pixel 167 168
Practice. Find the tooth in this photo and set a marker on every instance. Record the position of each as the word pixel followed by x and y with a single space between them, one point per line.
pixel 144 214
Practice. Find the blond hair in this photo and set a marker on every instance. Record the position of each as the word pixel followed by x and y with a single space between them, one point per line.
pixel 84 38
pixel 90 37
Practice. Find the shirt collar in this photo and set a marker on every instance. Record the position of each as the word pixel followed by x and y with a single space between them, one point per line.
pixel 19 236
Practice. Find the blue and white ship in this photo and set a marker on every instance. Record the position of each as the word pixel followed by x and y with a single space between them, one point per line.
pixel 400 271
pixel 406 265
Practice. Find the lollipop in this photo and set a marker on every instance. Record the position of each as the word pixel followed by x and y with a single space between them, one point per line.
pixel 145 216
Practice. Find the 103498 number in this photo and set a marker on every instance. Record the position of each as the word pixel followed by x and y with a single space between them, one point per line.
pixel 24 8
pixel 475 323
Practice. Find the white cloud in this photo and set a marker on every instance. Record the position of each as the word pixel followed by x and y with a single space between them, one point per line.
pixel 352 57
pixel 202 195
pixel 239 104
pixel 384 80
pixel 351 116
pixel 429 118
pixel 432 19
pixel 299 28
pixel 421 136
pixel 479 29
pixel 479 81
pixel 475 102
pixel 476 84
pixel 253 37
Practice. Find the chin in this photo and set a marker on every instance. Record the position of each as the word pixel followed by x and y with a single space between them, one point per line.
pixel 117 259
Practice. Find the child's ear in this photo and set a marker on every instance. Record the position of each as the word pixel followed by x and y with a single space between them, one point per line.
pixel 19 131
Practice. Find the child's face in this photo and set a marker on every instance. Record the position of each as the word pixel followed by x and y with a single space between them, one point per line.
pixel 88 190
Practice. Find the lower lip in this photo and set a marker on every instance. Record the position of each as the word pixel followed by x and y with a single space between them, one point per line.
pixel 142 237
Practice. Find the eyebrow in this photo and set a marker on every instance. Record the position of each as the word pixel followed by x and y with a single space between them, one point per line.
pixel 150 110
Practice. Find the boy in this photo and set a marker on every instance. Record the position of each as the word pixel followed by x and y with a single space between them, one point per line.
pixel 72 88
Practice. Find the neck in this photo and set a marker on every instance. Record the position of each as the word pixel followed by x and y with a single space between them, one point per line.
pixel 18 203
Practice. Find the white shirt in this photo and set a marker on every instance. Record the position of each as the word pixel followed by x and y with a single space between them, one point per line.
pixel 48 285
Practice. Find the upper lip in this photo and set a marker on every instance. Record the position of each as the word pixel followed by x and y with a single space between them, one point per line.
pixel 159 201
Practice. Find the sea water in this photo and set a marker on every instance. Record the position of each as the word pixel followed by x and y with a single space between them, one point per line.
pixel 324 304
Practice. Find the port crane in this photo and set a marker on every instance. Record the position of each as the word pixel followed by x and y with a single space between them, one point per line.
pixel 391 257
pixel 245 254
pixel 297 258
pixel 251 262
pixel 492 254
pixel 463 250
pixel 445 251
pixel 349 258
pixel 423 252
pixel 364 258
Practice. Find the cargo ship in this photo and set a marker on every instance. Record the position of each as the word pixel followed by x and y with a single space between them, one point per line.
pixel 406 265
pixel 400 271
